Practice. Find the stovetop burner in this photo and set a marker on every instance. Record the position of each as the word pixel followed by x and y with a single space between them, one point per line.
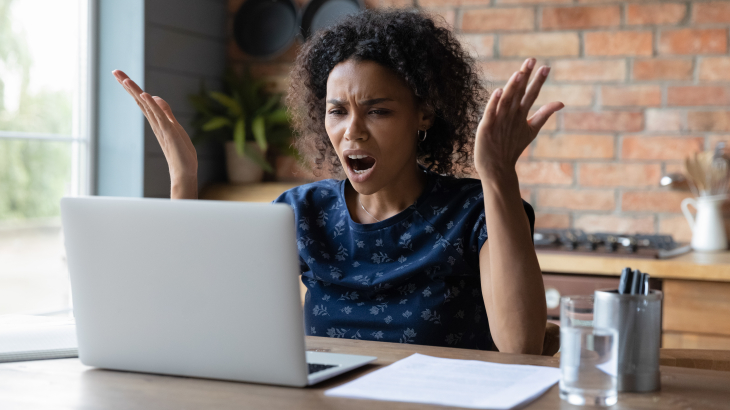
pixel 608 244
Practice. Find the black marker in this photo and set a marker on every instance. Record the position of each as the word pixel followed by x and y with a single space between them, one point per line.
pixel 635 282
pixel 625 281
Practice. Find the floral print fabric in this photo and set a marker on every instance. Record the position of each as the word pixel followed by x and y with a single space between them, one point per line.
pixel 412 278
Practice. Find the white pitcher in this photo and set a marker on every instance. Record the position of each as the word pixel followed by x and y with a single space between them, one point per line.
pixel 708 228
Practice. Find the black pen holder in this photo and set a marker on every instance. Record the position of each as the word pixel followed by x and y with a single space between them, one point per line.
pixel 637 320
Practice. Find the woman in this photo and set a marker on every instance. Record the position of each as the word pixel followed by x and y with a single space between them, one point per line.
pixel 398 251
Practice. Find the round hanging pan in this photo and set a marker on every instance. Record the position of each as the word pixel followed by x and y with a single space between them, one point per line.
pixel 319 14
pixel 265 28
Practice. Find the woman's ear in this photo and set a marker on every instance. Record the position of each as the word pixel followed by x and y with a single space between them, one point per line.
pixel 426 116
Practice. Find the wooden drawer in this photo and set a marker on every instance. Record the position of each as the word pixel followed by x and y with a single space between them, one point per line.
pixel 696 307
pixel 671 340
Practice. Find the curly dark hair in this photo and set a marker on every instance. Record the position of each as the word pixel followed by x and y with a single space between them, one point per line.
pixel 426 55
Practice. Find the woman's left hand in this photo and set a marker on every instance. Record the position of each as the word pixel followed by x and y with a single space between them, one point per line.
pixel 504 131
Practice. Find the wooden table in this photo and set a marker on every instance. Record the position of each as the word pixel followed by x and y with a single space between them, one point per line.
pixel 67 384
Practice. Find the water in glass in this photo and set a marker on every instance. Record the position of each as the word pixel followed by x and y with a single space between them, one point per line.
pixel 588 366
pixel 588 355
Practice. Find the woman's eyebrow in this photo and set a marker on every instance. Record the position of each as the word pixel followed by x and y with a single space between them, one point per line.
pixel 372 101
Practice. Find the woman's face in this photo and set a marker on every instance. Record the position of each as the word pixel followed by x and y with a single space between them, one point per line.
pixel 372 120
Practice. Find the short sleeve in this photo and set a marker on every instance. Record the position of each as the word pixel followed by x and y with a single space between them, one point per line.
pixel 479 228
pixel 475 223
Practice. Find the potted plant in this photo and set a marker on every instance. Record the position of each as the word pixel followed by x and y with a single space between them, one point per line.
pixel 247 120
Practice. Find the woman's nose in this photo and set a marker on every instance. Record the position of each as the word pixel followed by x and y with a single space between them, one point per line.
pixel 355 129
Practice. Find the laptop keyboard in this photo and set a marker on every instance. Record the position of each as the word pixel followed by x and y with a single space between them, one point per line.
pixel 316 367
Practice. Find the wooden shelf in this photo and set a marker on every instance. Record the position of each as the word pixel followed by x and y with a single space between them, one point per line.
pixel 258 192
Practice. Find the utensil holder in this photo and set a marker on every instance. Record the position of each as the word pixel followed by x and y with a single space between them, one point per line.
pixel 638 321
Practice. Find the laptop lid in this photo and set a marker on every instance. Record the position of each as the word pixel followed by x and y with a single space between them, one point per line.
pixel 193 288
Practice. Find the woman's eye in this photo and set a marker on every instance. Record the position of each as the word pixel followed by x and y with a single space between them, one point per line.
pixel 379 112
pixel 336 112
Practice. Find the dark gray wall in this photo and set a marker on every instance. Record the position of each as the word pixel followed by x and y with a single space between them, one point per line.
pixel 185 41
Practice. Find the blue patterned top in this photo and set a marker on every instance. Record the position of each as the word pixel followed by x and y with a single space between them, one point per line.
pixel 412 278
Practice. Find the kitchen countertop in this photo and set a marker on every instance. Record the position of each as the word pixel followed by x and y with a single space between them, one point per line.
pixel 690 266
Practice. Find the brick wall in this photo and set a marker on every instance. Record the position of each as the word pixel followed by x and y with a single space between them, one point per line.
pixel 644 84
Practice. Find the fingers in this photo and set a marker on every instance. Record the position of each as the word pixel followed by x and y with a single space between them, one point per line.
pixel 534 88
pixel 165 107
pixel 526 71
pixel 491 110
pixel 543 114
pixel 168 111
pixel 161 117
pixel 504 109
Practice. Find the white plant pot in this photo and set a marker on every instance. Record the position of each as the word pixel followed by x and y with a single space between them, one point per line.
pixel 241 169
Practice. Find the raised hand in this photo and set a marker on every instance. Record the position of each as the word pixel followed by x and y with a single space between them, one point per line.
pixel 182 159
pixel 504 130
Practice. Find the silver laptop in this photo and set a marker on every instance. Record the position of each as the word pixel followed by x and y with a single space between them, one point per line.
pixel 191 288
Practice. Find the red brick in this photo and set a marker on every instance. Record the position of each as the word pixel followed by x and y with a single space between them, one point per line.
pixel 501 70
pixel 652 201
pixel 545 220
pixel 589 70
pixel 566 18
pixel 631 95
pixel 493 19
pixel 677 226
pixel 615 224
pixel 603 121
pixel 475 2
pixel 618 43
pixel 533 1
pixel 661 147
pixel 664 120
pixel 564 146
pixel 698 95
pixel 478 45
pixel 693 41
pixel 544 172
pixel 659 13
pixel 443 17
pixel 674 168
pixel 597 200
pixel 714 139
pixel 662 69
pixel 537 45
pixel 711 12
pixel 619 175
pixel 708 120
pixel 715 69
pixel 570 95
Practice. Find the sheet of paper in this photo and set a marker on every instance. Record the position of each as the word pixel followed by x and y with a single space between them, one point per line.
pixel 450 382
pixel 28 337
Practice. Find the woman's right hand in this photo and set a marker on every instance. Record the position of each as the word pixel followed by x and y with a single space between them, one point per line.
pixel 182 159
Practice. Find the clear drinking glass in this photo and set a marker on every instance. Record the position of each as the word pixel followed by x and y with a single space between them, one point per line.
pixel 588 355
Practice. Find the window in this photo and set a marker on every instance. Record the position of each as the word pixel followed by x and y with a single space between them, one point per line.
pixel 45 145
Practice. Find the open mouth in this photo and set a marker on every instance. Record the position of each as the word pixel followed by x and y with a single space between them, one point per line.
pixel 360 164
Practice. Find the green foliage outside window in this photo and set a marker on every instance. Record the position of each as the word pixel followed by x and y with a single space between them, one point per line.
pixel 33 174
